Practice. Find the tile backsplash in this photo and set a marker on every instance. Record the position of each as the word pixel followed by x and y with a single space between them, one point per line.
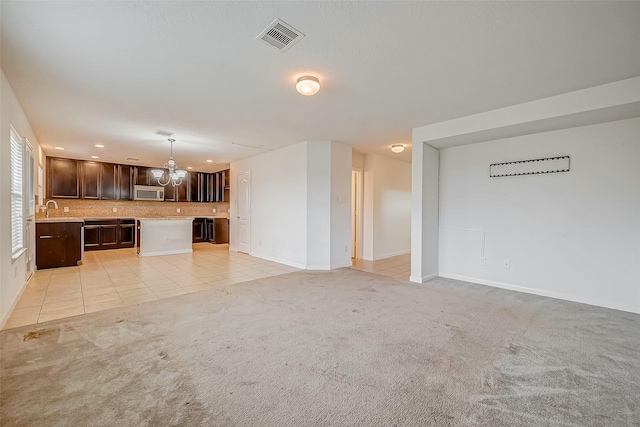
pixel 134 208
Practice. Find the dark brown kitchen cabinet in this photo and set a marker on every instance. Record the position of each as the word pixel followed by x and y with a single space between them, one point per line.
pixel 58 244
pixel 102 234
pixel 142 175
pixel 99 181
pixel 63 178
pixel 193 184
pixel 109 182
pixel 90 179
pixel 199 230
pixel 126 234
pixel 125 182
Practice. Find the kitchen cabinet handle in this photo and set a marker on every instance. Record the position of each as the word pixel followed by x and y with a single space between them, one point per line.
pixel 46 237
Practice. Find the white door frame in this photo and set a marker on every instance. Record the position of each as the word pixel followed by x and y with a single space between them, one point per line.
pixel 356 212
pixel 243 246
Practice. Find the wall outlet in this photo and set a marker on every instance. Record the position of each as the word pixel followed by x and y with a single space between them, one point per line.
pixel 506 264
pixel 214 210
pixel 483 261
pixel 178 210
pixel 115 209
pixel 66 209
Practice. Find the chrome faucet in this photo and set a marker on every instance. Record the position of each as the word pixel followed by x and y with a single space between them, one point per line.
pixel 46 206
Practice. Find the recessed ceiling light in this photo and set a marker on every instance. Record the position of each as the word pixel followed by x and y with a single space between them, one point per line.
pixel 189 167
pixel 308 85
pixel 99 145
pixel 209 161
pixel 397 148
pixel 95 157
pixel 59 148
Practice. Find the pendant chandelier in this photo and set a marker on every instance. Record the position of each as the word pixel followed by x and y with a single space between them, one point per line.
pixel 176 176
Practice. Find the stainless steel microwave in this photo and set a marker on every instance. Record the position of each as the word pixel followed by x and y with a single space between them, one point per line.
pixel 146 192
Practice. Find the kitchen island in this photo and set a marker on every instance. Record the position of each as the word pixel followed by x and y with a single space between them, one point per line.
pixel 164 236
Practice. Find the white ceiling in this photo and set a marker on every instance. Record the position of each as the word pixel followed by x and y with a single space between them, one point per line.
pixel 115 72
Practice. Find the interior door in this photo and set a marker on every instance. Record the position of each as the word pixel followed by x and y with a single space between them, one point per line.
pixel 244 212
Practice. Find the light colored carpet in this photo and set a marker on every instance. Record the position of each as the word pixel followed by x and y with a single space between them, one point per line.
pixel 328 348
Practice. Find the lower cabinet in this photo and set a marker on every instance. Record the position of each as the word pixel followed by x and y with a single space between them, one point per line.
pixel 108 234
pixel 58 244
pixel 199 230
pixel 214 230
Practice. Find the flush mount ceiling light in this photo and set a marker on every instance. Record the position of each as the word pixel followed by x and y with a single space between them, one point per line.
pixel 95 157
pixel 99 145
pixel 175 175
pixel 59 148
pixel 308 85
pixel 397 148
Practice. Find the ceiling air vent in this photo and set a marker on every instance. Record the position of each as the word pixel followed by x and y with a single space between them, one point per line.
pixel 165 133
pixel 280 35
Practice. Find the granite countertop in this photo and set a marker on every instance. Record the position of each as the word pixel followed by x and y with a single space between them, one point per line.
pixel 164 218
pixel 106 218
pixel 60 219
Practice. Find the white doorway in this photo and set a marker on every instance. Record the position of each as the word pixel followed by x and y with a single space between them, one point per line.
pixel 356 213
pixel 244 212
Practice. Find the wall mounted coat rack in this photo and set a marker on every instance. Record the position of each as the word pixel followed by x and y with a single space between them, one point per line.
pixel 530 167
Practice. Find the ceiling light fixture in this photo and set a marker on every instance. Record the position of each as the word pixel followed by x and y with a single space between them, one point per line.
pixel 308 85
pixel 59 148
pixel 189 167
pixel 397 148
pixel 99 145
pixel 95 157
pixel 209 161
pixel 175 175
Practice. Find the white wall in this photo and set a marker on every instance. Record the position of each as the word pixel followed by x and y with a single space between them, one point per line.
pixel 319 205
pixel 387 207
pixel 278 204
pixel 341 164
pixel 300 205
pixel 573 236
pixel 12 274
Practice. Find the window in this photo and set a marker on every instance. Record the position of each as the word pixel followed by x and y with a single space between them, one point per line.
pixel 17 223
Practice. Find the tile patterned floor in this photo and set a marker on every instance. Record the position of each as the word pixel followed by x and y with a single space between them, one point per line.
pixel 397 266
pixel 119 277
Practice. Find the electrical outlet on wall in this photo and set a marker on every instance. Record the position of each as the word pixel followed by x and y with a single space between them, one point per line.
pixel 115 209
pixel 214 210
pixel 506 264
pixel 178 210
pixel 66 209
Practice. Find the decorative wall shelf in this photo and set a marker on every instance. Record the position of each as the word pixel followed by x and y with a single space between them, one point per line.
pixel 530 167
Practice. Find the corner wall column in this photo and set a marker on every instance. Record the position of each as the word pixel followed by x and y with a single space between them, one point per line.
pixel 424 212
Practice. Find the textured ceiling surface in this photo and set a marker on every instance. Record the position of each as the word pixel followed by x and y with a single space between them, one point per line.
pixel 114 72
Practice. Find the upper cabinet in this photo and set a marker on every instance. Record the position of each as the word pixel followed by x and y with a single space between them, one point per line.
pixel 83 179
pixel 90 180
pixel 63 178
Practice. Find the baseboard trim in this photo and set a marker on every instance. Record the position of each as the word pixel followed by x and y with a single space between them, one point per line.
pixel 158 253
pixel 389 255
pixel 556 295
pixel 423 279
pixel 341 265
pixel 279 260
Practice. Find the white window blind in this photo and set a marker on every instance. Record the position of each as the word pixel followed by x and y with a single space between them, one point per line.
pixel 17 223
